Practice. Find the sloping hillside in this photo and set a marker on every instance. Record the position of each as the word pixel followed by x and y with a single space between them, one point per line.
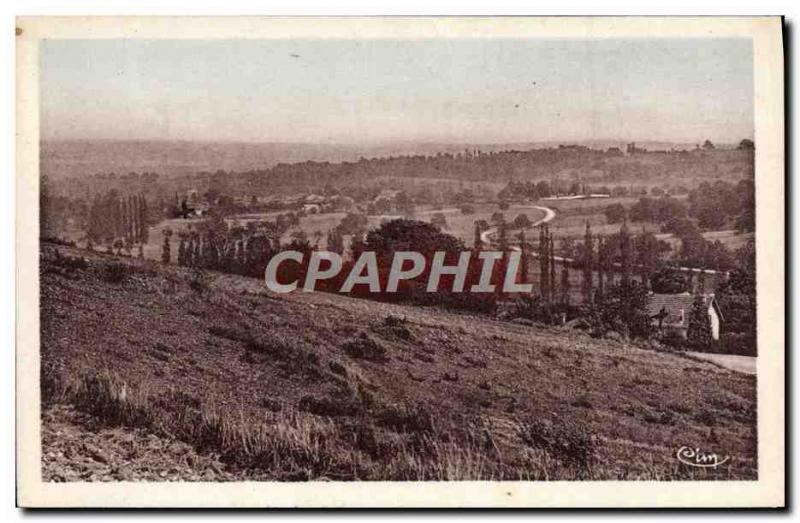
pixel 155 372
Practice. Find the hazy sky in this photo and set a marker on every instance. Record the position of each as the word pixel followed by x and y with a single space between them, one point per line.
pixel 348 91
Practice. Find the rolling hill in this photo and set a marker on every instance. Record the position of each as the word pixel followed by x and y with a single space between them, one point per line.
pixel 157 372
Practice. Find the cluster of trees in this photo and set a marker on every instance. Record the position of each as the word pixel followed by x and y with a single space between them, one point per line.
pixel 85 187
pixel 353 225
pixel 356 179
pixel 216 245
pixel 712 206
pixel 55 212
pixel 620 305
pixel 118 221
pixel 427 239
pixel 614 273
pixel 620 270
pixel 737 299
pixel 708 207
pixel 658 210
pixel 721 205
pixel 529 190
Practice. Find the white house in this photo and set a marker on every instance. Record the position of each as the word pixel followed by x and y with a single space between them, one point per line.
pixel 671 311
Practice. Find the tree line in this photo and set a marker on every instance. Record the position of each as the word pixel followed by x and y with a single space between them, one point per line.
pixel 120 222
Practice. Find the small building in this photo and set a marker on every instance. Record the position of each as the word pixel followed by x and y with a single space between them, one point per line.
pixel 672 311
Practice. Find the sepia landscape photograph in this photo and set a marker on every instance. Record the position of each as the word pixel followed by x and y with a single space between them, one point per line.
pixel 610 182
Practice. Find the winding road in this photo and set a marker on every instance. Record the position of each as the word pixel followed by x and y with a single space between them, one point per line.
pixel 549 214
pixel 486 237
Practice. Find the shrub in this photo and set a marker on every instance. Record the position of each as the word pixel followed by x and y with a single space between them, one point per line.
pixel 742 344
pixel 532 308
pixel 529 307
pixel 407 418
pixel 615 213
pixel 67 266
pixel 667 281
pixel 57 240
pixel 115 273
pixel 337 368
pixel 70 262
pixel 200 282
pixel 582 402
pixel 485 303
pixel 396 327
pixel 113 402
pixel 570 443
pixel 366 348
pixel 623 309
pixel 363 437
pixel 230 333
pixel 672 338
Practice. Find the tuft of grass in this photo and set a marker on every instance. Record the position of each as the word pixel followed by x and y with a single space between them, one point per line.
pixel 329 406
pixel 570 443
pixel 413 417
pixel 582 402
pixel 396 327
pixel 293 354
pixel 337 368
pixel 364 347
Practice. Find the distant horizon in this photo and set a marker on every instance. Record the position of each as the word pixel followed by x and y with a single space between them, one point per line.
pixel 72 157
pixel 400 142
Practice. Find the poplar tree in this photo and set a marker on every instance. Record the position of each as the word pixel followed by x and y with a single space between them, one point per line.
pixel 142 221
pixel 502 239
pixel 698 333
pixel 551 252
pixel 588 253
pixel 523 257
pixel 197 255
pixel 133 211
pixel 182 251
pixel 564 287
pixel 335 241
pixel 166 255
pixel 145 221
pixel 95 225
pixel 241 258
pixel 625 254
pixel 188 255
pixel 544 263
pixel 601 267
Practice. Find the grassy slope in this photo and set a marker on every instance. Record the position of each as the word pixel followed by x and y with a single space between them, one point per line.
pixel 278 387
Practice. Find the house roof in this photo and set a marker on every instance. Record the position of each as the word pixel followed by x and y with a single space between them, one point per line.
pixel 672 304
